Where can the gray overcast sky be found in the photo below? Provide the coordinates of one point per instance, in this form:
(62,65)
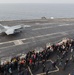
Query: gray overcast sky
(36,1)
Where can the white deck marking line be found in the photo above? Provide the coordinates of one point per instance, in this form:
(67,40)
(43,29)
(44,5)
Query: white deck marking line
(47,35)
(42,24)
(32,38)
(30,42)
(56,66)
(50,71)
(52,26)
(30,70)
(13,45)
(64,33)
(29,38)
(18,42)
(44,72)
(11,41)
(36,36)
(52,37)
(44,28)
(66,25)
(44,35)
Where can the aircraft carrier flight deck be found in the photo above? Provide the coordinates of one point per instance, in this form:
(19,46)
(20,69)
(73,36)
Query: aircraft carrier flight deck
(40,33)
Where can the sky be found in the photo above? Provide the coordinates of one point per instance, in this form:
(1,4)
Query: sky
(36,1)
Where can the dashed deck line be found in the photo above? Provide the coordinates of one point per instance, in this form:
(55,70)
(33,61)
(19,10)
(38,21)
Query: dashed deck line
(44,28)
(52,26)
(36,24)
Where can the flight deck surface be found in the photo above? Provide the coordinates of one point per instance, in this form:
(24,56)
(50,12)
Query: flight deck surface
(40,33)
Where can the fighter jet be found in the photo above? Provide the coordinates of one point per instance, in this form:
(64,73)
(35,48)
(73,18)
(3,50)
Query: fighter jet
(12,29)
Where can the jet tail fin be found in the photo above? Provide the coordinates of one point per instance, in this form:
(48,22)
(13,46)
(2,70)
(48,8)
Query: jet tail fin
(2,29)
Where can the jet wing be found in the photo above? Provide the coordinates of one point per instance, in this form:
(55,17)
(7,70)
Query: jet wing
(9,31)
(16,27)
(6,27)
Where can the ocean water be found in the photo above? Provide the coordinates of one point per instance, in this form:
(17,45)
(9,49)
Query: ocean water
(22,11)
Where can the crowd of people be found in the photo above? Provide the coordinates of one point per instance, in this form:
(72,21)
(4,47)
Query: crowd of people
(19,66)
